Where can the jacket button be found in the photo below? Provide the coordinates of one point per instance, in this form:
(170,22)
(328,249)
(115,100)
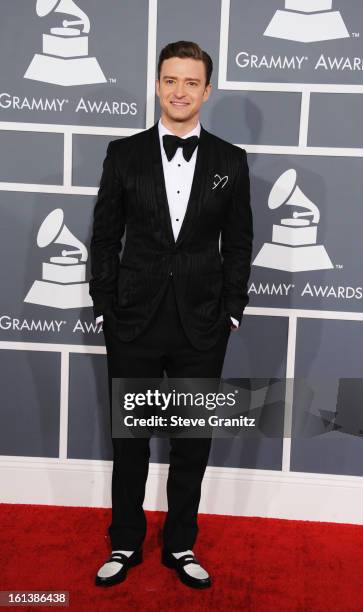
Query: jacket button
(170,274)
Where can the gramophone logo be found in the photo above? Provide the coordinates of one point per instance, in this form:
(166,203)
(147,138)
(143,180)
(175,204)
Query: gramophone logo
(293,247)
(63,278)
(65,60)
(307,21)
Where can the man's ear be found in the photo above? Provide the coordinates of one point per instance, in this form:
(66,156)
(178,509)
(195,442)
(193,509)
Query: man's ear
(207,92)
(157,87)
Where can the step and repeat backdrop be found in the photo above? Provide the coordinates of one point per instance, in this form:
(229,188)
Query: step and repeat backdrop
(287,86)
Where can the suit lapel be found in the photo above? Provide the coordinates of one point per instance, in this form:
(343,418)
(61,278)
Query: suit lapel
(198,188)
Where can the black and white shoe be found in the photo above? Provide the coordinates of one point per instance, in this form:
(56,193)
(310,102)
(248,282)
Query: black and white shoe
(189,569)
(116,567)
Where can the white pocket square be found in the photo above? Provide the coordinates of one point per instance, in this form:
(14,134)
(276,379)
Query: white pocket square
(219,180)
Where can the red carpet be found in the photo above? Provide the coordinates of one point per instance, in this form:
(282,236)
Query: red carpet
(270,564)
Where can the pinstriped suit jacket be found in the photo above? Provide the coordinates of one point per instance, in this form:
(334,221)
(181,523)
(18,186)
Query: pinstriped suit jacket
(209,262)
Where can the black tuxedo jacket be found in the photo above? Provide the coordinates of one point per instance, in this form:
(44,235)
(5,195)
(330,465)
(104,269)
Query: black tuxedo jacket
(209,262)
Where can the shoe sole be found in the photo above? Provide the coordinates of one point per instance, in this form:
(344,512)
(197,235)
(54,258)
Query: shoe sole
(112,580)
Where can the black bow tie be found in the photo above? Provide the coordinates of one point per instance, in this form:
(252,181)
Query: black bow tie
(171,143)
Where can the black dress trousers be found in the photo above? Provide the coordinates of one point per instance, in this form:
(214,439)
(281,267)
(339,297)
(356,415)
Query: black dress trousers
(162,347)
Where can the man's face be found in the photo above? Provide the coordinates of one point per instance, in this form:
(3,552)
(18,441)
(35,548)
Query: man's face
(181,88)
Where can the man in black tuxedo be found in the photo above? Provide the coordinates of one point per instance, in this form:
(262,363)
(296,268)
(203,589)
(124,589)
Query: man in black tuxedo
(182,195)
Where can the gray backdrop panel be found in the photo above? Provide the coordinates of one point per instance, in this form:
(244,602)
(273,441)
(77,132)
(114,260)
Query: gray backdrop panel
(30,382)
(89,151)
(89,414)
(22,215)
(334,185)
(248,22)
(118,31)
(327,352)
(336,120)
(31,157)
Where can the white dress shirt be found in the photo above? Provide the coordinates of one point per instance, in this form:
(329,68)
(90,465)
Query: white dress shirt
(178,176)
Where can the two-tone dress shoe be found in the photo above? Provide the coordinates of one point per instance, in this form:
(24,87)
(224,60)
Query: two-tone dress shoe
(116,567)
(189,569)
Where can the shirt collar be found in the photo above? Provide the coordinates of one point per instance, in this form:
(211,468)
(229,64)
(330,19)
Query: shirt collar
(164,130)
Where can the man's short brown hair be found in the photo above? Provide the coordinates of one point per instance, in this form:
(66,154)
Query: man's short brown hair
(185,48)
